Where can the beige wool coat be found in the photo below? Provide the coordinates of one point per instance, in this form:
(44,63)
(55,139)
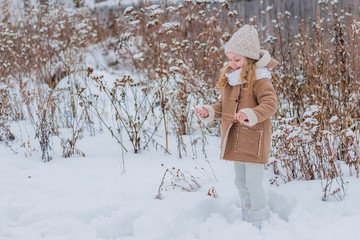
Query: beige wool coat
(249,142)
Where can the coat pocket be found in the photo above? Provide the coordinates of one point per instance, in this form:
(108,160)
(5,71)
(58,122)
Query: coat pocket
(248,141)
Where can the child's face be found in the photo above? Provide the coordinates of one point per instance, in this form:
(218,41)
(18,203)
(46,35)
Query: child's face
(235,60)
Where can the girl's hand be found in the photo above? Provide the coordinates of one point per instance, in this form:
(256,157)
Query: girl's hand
(201,112)
(241,117)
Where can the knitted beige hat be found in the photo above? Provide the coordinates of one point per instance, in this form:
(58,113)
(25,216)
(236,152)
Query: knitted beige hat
(245,42)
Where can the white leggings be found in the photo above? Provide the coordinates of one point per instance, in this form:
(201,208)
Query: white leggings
(248,180)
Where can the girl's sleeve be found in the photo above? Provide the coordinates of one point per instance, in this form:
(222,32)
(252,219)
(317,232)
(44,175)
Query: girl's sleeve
(267,103)
(214,111)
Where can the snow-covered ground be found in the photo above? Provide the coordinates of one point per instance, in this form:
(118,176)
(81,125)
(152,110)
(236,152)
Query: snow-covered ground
(86,198)
(89,198)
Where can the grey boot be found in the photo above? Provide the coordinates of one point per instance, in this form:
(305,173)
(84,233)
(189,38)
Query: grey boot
(245,215)
(257,223)
(257,217)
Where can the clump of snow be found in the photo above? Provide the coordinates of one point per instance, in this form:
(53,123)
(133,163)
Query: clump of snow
(350,133)
(333,119)
(138,55)
(128,10)
(310,111)
(170,25)
(89,198)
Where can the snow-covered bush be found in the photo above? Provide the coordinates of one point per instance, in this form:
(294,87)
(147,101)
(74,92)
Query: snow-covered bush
(5,115)
(70,115)
(175,51)
(34,40)
(319,65)
(39,109)
(132,106)
(307,150)
(40,44)
(176,48)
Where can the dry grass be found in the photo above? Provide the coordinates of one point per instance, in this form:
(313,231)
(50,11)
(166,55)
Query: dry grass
(176,52)
(180,46)
(5,116)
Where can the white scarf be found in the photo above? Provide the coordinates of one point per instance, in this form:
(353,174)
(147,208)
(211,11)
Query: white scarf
(234,77)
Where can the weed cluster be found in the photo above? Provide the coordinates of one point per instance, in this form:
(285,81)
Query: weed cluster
(175,52)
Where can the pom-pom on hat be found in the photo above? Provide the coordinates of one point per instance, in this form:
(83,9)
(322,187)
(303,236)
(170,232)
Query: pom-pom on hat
(245,42)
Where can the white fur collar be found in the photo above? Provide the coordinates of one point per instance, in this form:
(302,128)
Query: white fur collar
(234,77)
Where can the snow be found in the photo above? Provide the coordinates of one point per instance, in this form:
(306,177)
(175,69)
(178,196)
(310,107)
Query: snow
(128,10)
(93,198)
(89,198)
(138,55)
(350,133)
(310,111)
(170,25)
(333,119)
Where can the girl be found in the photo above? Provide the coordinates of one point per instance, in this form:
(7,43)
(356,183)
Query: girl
(245,107)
